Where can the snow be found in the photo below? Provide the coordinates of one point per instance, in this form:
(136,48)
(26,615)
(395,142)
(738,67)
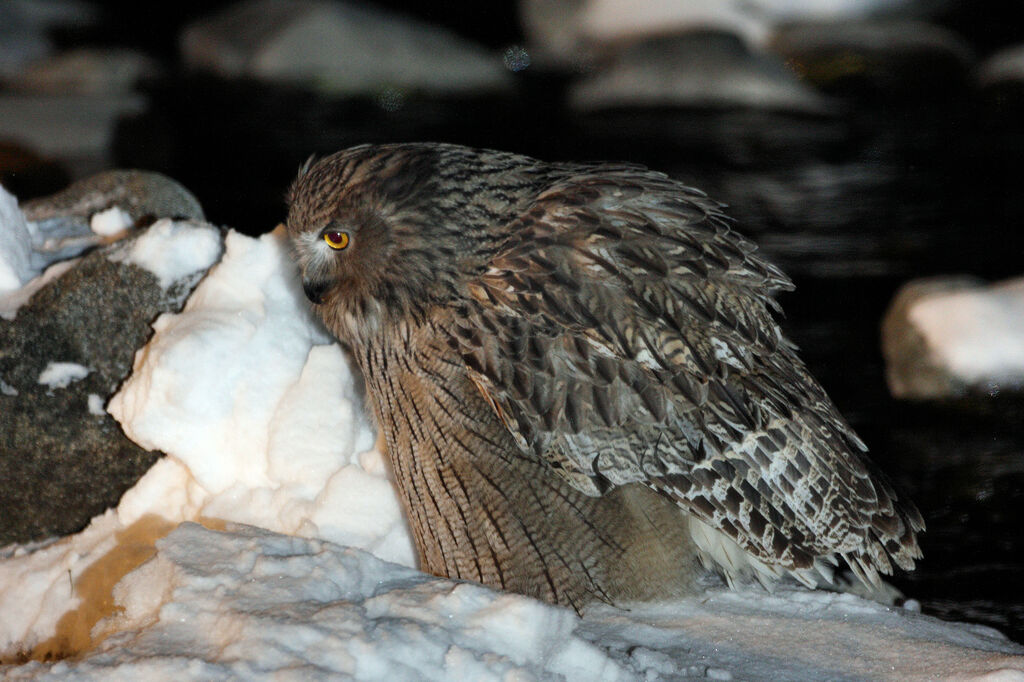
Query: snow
(62,374)
(15,245)
(259,415)
(95,403)
(173,250)
(977,334)
(111,221)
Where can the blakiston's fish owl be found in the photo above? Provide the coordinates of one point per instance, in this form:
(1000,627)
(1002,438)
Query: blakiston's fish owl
(579,380)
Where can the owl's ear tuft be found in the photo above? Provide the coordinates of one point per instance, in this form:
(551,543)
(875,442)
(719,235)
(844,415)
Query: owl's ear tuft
(303,170)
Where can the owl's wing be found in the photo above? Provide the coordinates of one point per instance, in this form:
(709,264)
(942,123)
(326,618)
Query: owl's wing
(624,333)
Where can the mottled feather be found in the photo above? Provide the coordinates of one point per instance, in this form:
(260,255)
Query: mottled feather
(565,336)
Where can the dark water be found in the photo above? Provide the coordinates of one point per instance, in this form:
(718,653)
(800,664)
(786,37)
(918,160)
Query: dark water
(850,205)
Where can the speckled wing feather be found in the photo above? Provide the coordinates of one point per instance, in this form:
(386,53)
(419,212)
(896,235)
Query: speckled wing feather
(624,333)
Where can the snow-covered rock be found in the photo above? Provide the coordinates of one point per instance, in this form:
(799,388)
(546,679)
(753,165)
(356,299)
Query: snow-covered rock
(68,345)
(338,47)
(943,337)
(569,34)
(694,70)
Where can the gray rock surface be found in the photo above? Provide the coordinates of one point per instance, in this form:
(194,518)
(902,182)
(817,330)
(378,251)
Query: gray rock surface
(62,458)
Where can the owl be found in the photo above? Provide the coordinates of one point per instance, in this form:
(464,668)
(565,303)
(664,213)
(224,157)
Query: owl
(582,390)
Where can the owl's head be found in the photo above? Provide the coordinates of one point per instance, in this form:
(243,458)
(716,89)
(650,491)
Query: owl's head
(389,231)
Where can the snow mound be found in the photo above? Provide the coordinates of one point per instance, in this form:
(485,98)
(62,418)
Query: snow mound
(249,604)
(258,412)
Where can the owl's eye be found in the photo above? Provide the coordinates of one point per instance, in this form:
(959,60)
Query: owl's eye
(336,239)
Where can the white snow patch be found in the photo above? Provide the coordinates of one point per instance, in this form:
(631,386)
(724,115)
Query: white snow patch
(62,374)
(95,403)
(15,245)
(111,221)
(978,334)
(173,250)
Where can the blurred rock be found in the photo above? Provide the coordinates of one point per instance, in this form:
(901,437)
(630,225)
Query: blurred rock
(24,28)
(86,71)
(901,57)
(949,336)
(338,48)
(1004,66)
(63,459)
(701,69)
(571,34)
(76,129)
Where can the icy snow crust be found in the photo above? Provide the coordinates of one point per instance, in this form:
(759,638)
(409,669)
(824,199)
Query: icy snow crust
(259,415)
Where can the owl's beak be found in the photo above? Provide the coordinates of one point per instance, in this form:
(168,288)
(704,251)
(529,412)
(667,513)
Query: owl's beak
(314,290)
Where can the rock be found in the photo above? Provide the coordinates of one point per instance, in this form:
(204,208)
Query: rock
(90,212)
(946,337)
(695,70)
(76,129)
(571,35)
(1003,67)
(86,71)
(24,25)
(338,47)
(62,458)
(888,56)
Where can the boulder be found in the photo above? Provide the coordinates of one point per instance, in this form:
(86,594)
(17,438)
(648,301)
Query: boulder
(339,48)
(63,459)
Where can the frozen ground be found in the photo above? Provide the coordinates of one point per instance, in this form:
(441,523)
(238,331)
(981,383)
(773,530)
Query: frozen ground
(259,415)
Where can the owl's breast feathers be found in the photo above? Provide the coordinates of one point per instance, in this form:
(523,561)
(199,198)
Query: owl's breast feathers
(623,333)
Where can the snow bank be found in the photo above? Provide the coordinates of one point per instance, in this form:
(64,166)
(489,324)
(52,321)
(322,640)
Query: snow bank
(248,604)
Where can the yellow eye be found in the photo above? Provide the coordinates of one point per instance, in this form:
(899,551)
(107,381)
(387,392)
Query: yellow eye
(336,239)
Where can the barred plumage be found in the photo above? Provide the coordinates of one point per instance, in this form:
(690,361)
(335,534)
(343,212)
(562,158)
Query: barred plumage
(579,379)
